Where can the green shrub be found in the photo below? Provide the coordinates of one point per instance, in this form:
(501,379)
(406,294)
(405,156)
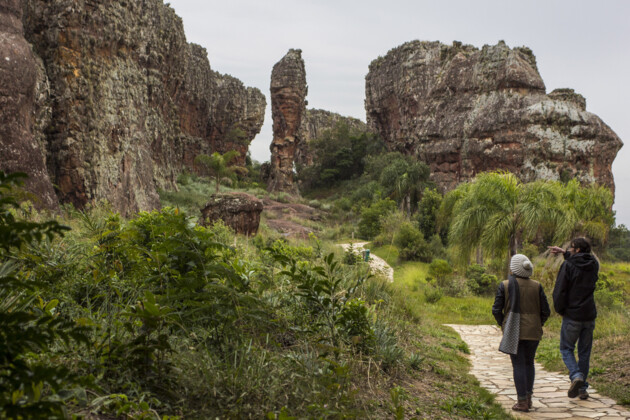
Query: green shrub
(427,212)
(389,228)
(609,291)
(480,282)
(367,193)
(433,294)
(411,243)
(30,386)
(440,270)
(371,217)
(351,256)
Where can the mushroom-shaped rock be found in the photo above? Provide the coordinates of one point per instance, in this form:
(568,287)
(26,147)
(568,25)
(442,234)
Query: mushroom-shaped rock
(239,211)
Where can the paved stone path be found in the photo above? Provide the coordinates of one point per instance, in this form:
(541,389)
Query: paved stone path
(493,369)
(376,263)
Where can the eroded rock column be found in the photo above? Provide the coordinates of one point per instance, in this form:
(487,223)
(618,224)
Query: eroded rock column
(19,73)
(288,105)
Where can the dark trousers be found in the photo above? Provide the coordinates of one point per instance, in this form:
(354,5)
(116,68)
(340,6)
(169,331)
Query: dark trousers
(580,332)
(523,368)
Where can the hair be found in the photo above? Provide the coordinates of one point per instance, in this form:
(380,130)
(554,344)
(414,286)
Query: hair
(582,243)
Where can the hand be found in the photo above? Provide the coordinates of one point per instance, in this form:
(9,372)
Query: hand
(556,250)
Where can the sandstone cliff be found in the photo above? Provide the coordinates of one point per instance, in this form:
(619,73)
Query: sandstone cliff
(20,73)
(130,101)
(314,123)
(288,105)
(465,110)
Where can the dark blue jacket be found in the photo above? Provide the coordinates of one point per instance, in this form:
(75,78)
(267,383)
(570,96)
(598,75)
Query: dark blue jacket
(575,284)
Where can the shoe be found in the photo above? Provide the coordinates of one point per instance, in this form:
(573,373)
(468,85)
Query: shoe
(583,394)
(574,389)
(530,404)
(521,406)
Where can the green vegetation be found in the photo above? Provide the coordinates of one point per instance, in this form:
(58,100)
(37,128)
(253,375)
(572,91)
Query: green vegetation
(176,322)
(220,166)
(155,317)
(339,154)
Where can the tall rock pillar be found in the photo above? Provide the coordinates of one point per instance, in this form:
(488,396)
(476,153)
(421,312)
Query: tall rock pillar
(19,73)
(288,105)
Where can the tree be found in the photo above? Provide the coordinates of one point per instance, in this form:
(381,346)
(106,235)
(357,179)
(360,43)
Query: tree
(220,166)
(587,210)
(496,210)
(370,223)
(403,178)
(427,212)
(339,153)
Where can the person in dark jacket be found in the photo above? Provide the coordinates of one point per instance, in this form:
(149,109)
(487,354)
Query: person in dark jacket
(534,311)
(573,299)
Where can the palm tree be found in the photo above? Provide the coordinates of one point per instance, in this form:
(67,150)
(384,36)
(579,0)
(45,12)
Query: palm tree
(587,210)
(220,166)
(495,211)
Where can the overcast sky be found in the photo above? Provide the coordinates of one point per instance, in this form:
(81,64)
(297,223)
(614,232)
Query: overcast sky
(583,45)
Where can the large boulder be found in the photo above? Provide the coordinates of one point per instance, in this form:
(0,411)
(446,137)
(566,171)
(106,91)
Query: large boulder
(239,211)
(288,105)
(465,110)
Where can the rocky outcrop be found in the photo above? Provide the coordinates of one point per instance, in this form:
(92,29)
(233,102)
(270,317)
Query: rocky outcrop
(20,73)
(131,103)
(288,105)
(465,110)
(239,211)
(315,123)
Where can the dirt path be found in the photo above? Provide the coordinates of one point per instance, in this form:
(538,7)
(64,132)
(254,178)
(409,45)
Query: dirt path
(376,263)
(494,371)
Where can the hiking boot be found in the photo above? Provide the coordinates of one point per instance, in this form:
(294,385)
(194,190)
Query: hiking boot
(583,394)
(574,389)
(530,404)
(521,406)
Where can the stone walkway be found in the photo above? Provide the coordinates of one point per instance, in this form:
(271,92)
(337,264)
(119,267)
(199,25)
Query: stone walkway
(376,263)
(494,371)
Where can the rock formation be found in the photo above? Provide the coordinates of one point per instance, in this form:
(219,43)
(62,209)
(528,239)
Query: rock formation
(314,123)
(288,105)
(131,102)
(465,110)
(20,72)
(239,211)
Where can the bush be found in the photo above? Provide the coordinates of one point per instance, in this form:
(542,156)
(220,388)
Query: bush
(433,294)
(440,270)
(371,217)
(478,281)
(427,212)
(609,291)
(30,386)
(389,228)
(411,243)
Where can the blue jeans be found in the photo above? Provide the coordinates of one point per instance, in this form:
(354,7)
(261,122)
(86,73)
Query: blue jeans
(580,332)
(523,368)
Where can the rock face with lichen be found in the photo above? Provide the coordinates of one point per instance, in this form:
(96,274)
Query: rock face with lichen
(239,211)
(20,75)
(131,103)
(465,110)
(314,123)
(288,105)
